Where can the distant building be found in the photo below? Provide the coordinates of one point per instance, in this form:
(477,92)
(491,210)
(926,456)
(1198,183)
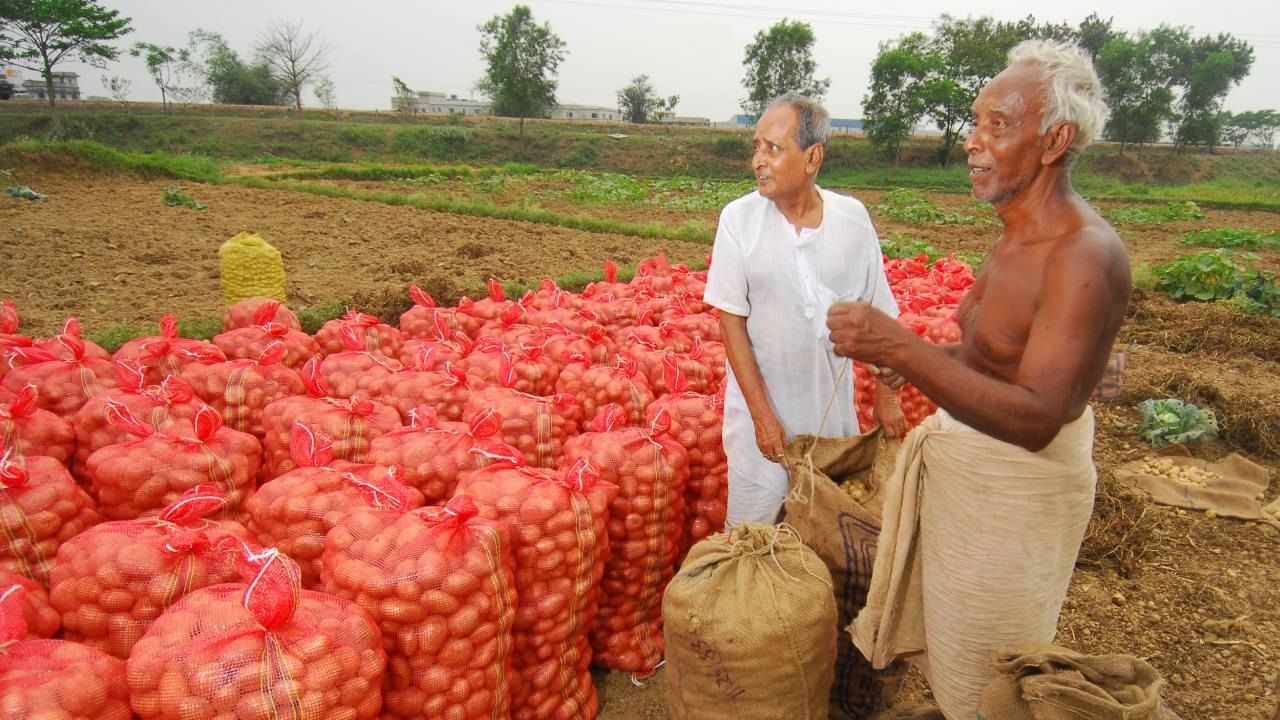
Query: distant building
(668,118)
(66,86)
(585,112)
(839,125)
(435,103)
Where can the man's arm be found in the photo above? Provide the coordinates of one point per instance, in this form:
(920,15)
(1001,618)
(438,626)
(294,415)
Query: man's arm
(889,411)
(770,436)
(1028,412)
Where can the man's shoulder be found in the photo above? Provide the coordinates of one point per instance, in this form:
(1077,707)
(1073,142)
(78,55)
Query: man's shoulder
(751,202)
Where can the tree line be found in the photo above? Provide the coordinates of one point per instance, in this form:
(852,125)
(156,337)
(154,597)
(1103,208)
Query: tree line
(1165,82)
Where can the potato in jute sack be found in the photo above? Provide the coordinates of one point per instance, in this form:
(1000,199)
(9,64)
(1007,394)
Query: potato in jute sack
(833,501)
(749,628)
(1047,682)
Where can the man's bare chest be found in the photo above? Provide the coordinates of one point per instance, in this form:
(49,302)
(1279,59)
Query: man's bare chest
(995,317)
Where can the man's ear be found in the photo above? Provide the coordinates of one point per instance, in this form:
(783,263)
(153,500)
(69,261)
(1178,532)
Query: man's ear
(814,156)
(1060,137)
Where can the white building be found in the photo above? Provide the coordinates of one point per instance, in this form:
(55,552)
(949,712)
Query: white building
(586,112)
(435,103)
(66,86)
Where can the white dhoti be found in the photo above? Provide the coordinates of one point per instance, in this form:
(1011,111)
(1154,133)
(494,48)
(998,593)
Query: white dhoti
(979,541)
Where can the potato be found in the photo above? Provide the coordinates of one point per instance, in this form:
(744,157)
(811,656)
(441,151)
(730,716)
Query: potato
(537,426)
(64,385)
(696,424)
(559,522)
(645,521)
(435,457)
(446,392)
(41,619)
(379,338)
(241,389)
(258,311)
(351,425)
(25,429)
(453,604)
(56,679)
(41,507)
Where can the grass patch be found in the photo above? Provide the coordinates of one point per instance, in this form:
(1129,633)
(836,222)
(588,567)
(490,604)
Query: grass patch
(910,205)
(485,209)
(1157,215)
(147,165)
(1245,238)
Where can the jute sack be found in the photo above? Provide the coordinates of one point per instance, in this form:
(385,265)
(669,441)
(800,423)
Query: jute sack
(843,532)
(748,625)
(1047,682)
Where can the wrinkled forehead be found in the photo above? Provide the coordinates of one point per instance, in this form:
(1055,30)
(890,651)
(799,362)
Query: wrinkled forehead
(1014,92)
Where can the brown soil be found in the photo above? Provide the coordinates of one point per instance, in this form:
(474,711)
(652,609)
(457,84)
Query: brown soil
(107,250)
(1200,599)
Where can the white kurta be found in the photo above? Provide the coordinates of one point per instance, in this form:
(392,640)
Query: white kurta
(783,282)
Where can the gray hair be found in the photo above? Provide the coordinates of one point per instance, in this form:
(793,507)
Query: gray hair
(1072,92)
(814,127)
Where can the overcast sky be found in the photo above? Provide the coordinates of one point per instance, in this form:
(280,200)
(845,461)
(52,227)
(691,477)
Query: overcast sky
(692,48)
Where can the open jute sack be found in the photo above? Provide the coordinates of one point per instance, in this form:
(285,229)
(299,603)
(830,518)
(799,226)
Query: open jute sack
(843,532)
(1047,682)
(748,623)
(1236,494)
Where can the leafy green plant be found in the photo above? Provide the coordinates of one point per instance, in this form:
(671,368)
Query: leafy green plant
(898,246)
(1156,215)
(174,197)
(1172,421)
(1215,275)
(910,205)
(1231,238)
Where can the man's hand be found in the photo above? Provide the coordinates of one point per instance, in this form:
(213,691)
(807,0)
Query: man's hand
(770,438)
(861,332)
(889,412)
(888,376)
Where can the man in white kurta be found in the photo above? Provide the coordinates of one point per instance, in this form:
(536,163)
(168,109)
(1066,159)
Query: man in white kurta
(782,279)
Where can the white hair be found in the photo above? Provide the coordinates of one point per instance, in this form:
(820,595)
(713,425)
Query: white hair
(1072,91)
(814,127)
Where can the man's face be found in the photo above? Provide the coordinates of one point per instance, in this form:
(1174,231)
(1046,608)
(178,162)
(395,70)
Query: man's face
(781,168)
(1006,144)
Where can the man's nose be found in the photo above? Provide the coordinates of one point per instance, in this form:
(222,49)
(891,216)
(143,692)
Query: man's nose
(971,143)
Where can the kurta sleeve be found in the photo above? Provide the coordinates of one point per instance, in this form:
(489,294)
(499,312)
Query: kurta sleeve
(727,279)
(879,294)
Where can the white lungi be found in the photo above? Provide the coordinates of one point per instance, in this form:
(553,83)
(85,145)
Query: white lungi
(784,282)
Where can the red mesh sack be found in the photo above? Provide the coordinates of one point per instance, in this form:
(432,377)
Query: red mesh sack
(10,340)
(487,309)
(696,423)
(430,354)
(435,455)
(424,320)
(562,343)
(662,337)
(247,343)
(113,580)
(259,649)
(704,326)
(140,477)
(646,522)
(538,426)
(523,367)
(157,405)
(596,386)
(65,384)
(446,391)
(558,522)
(438,582)
(295,511)
(248,312)
(378,337)
(357,369)
(54,679)
(610,287)
(549,295)
(41,507)
(653,363)
(241,389)
(63,351)
(352,424)
(27,430)
(166,354)
(42,620)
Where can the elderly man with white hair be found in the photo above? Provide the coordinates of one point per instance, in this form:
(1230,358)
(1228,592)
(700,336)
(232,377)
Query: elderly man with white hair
(783,255)
(988,505)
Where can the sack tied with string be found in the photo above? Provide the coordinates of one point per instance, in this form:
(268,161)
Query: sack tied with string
(41,507)
(439,584)
(748,629)
(113,580)
(436,454)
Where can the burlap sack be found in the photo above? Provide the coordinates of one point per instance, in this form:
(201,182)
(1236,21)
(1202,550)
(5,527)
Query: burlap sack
(748,625)
(1235,494)
(1047,682)
(843,533)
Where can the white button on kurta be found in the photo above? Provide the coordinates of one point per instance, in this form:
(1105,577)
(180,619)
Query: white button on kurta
(784,282)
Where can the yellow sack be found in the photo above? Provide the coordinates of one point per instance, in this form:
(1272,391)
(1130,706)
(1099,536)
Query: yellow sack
(251,267)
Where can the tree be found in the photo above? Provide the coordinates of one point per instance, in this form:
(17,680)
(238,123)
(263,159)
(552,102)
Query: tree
(164,64)
(1135,78)
(326,93)
(780,60)
(1215,65)
(403,102)
(227,78)
(639,102)
(522,61)
(38,35)
(296,59)
(119,88)
(1264,124)
(897,97)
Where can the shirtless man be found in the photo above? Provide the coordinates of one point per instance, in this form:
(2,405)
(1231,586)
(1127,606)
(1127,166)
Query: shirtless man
(1037,330)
